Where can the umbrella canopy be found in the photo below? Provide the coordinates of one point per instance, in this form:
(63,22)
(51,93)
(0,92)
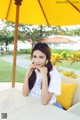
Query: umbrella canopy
(48,12)
(51,12)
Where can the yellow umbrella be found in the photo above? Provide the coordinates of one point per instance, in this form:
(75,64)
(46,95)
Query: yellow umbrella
(48,12)
(52,12)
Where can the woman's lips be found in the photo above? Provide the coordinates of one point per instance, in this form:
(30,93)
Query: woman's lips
(38,65)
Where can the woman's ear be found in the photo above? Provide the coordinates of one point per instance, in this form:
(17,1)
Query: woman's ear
(46,61)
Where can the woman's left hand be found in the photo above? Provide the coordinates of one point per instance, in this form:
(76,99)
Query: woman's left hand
(43,71)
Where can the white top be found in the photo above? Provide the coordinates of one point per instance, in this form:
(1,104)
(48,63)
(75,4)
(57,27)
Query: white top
(54,86)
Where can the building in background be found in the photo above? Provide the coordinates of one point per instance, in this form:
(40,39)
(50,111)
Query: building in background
(63,42)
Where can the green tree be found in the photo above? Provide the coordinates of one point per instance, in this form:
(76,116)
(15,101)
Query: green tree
(6,37)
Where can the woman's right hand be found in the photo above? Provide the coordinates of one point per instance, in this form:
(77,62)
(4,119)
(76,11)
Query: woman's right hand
(30,69)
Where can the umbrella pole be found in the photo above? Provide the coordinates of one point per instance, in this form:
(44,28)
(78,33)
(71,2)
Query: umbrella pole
(15,46)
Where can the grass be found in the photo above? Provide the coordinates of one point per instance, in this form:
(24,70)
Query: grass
(6,72)
(75,65)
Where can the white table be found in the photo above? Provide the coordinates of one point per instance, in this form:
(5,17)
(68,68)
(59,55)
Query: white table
(19,107)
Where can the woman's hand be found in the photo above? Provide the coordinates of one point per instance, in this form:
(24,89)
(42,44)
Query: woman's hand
(30,69)
(43,71)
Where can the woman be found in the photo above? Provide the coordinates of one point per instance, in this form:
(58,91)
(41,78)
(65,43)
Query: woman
(41,81)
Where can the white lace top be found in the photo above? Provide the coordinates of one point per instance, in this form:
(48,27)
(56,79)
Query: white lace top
(54,86)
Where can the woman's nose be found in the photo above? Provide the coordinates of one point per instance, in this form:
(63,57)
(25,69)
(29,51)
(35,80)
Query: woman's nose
(37,60)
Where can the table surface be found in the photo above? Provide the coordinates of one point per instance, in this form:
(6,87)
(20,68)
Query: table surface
(19,107)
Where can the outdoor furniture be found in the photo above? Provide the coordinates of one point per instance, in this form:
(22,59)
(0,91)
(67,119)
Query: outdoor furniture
(75,107)
(18,107)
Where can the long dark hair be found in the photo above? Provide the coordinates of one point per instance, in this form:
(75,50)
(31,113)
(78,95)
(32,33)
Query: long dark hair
(43,47)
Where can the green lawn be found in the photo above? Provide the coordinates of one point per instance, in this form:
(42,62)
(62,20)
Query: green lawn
(6,72)
(75,65)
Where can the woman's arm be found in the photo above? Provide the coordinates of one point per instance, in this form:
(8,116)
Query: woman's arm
(25,88)
(45,94)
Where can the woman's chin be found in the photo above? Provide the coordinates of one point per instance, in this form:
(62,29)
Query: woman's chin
(37,67)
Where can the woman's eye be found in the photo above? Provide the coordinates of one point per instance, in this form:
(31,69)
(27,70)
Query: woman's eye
(34,56)
(41,56)
(38,57)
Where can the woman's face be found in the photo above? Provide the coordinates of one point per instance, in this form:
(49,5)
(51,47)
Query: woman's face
(39,58)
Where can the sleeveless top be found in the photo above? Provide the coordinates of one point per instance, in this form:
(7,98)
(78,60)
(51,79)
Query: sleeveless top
(54,85)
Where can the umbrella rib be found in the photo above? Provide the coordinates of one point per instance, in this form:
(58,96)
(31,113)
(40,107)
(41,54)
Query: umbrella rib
(8,9)
(43,12)
(73,5)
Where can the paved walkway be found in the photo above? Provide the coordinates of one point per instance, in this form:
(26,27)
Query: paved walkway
(21,61)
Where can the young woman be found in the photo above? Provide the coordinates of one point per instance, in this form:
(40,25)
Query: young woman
(41,81)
